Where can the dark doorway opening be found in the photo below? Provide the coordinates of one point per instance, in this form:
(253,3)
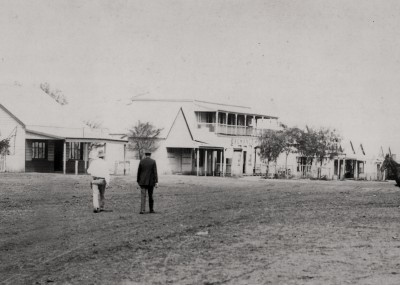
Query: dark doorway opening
(58,155)
(244,161)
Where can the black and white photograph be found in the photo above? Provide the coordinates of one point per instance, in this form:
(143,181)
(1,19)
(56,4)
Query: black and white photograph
(200,142)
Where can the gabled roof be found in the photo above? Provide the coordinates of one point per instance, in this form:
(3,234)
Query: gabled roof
(34,107)
(353,150)
(183,136)
(161,113)
(180,112)
(12,115)
(206,106)
(180,135)
(41,115)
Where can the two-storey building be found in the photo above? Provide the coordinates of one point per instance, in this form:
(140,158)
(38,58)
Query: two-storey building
(198,137)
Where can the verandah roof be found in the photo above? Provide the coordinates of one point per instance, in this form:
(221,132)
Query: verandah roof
(88,139)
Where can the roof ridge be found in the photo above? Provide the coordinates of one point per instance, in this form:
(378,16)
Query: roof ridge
(222,104)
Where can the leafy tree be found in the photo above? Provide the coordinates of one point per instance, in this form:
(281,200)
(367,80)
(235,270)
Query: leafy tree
(55,94)
(327,142)
(318,143)
(272,144)
(4,145)
(291,137)
(307,142)
(307,146)
(143,136)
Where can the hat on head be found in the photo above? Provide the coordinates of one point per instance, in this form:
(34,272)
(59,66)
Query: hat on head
(101,153)
(147,152)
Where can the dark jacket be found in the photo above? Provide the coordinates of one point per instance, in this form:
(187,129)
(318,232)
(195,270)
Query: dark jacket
(147,172)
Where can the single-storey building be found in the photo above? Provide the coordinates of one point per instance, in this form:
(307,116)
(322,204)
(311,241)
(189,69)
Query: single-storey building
(45,136)
(350,162)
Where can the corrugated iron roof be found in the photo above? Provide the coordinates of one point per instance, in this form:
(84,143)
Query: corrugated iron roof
(161,113)
(43,115)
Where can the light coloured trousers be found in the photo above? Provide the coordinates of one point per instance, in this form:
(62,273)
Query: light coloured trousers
(98,196)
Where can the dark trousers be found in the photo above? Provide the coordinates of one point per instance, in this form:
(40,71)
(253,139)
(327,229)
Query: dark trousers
(149,190)
(99,191)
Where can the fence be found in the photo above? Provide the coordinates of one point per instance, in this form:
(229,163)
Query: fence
(119,168)
(274,171)
(307,171)
(304,170)
(218,168)
(2,163)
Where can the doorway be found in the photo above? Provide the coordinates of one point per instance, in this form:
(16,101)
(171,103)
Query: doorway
(244,162)
(58,155)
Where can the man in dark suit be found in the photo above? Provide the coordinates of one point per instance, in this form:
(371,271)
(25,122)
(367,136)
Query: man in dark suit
(147,179)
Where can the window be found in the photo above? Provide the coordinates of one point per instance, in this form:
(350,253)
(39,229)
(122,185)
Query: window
(39,150)
(186,153)
(170,154)
(75,150)
(360,167)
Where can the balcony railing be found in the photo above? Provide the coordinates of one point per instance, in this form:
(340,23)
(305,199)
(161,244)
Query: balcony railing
(209,126)
(231,129)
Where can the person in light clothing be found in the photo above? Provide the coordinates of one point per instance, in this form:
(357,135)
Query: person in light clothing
(100,180)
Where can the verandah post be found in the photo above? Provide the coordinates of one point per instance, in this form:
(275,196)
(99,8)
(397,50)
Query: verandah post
(220,163)
(86,155)
(198,161)
(205,163)
(65,158)
(124,159)
(224,164)
(76,167)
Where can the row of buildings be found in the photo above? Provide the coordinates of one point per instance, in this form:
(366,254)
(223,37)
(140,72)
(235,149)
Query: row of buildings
(197,138)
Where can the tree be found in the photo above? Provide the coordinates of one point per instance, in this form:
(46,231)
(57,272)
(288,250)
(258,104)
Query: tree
(306,145)
(4,145)
(55,94)
(271,146)
(143,136)
(291,138)
(327,142)
(318,143)
(93,124)
(307,148)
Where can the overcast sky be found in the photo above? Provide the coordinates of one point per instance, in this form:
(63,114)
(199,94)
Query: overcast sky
(322,63)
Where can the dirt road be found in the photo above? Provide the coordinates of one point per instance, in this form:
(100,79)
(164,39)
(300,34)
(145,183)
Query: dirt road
(205,231)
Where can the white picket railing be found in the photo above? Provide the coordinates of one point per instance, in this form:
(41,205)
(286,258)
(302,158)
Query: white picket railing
(2,163)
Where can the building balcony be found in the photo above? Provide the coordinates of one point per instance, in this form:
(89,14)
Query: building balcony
(231,130)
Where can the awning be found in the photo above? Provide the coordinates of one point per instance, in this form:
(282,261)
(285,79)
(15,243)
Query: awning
(30,134)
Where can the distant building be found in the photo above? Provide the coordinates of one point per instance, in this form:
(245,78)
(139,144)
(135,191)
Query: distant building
(45,136)
(198,137)
(350,162)
(214,139)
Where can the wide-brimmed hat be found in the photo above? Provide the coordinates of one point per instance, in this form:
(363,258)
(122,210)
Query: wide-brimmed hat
(101,153)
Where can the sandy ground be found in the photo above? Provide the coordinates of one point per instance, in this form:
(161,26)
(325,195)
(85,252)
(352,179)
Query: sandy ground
(206,230)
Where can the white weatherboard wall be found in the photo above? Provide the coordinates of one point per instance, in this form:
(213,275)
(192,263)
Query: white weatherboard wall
(114,157)
(179,135)
(15,161)
(178,138)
